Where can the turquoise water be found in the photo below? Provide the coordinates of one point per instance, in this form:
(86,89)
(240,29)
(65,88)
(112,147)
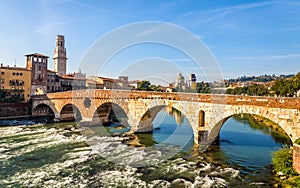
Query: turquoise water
(240,146)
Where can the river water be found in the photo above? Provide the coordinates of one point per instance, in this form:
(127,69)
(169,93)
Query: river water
(68,155)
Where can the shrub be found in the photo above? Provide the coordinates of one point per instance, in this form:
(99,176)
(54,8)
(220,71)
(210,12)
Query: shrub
(297,141)
(282,161)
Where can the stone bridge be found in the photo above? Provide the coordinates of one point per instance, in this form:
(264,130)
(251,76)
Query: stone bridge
(205,113)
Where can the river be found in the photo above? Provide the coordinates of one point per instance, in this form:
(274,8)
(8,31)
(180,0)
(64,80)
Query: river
(34,153)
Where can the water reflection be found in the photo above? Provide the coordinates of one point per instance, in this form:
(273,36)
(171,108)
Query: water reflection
(179,117)
(170,127)
(257,123)
(247,145)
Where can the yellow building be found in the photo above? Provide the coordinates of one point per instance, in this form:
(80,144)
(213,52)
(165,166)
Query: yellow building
(15,84)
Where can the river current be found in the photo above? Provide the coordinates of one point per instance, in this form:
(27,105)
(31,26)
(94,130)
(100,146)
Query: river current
(37,154)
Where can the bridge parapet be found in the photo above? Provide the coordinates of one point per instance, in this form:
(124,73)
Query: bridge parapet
(215,108)
(273,102)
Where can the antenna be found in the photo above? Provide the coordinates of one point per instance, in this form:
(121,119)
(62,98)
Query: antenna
(15,62)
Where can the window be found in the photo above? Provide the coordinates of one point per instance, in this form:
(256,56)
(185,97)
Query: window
(21,74)
(2,73)
(40,67)
(17,74)
(13,73)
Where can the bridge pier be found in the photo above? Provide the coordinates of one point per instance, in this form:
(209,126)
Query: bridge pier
(142,126)
(201,139)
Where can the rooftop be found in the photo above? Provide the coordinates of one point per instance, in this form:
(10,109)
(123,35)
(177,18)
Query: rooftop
(37,55)
(14,68)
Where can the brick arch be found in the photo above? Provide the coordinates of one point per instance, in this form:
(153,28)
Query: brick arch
(115,107)
(259,111)
(47,103)
(50,107)
(74,106)
(96,103)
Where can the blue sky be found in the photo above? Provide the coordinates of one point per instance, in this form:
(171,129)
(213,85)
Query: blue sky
(246,37)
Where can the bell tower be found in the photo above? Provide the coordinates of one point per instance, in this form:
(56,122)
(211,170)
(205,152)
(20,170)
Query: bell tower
(60,56)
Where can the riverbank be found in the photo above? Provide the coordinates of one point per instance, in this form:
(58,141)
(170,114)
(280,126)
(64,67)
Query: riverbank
(282,161)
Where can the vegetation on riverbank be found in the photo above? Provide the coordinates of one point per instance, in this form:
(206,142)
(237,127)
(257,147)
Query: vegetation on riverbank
(282,161)
(283,86)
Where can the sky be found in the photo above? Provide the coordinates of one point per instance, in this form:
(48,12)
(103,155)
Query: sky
(244,37)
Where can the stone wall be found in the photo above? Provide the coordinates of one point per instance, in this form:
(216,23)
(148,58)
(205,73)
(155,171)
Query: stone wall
(15,110)
(296,158)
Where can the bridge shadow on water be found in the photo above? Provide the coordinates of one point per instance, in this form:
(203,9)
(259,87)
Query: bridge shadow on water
(170,127)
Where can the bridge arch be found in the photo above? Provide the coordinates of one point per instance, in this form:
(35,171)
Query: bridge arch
(110,112)
(145,121)
(215,131)
(70,112)
(43,109)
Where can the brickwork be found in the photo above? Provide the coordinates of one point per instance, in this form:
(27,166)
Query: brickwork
(214,108)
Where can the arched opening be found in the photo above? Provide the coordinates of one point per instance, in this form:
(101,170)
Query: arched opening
(256,122)
(70,113)
(43,110)
(246,142)
(168,126)
(109,113)
(113,117)
(201,121)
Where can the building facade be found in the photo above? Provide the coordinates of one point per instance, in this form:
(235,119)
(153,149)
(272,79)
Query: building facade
(38,64)
(53,82)
(15,84)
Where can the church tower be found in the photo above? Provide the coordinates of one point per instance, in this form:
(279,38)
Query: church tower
(60,56)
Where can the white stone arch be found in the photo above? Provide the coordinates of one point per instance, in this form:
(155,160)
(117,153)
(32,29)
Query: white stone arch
(271,114)
(118,106)
(153,107)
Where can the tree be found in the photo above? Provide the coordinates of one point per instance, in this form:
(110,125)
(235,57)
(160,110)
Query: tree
(144,85)
(203,87)
(155,88)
